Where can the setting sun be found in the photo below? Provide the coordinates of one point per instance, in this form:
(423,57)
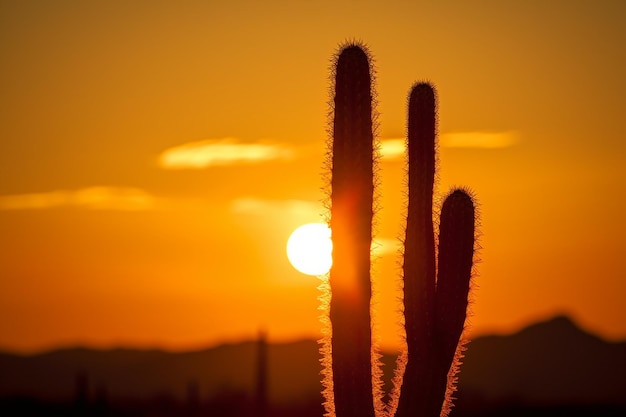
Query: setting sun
(309,249)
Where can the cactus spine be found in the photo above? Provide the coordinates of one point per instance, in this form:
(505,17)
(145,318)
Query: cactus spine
(435,292)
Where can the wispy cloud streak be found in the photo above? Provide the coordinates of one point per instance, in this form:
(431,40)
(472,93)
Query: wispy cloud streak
(262,207)
(395,148)
(392,148)
(273,209)
(221,152)
(385,246)
(478,139)
(94,198)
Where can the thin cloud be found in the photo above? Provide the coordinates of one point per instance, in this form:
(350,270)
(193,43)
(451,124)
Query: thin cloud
(392,148)
(385,246)
(93,198)
(110,198)
(478,139)
(395,148)
(301,208)
(275,209)
(221,152)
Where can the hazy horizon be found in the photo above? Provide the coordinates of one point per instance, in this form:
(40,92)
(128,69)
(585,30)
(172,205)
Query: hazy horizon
(282,341)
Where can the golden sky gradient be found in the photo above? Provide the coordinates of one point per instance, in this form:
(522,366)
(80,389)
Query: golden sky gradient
(155,157)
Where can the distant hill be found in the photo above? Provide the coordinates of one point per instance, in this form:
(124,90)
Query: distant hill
(127,373)
(553,362)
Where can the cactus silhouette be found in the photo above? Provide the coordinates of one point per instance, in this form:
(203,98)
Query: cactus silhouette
(352,189)
(435,290)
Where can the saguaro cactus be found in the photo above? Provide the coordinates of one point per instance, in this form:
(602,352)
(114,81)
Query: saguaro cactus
(435,292)
(351,224)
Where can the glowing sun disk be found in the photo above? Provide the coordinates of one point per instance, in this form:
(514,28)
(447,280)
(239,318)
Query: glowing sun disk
(309,249)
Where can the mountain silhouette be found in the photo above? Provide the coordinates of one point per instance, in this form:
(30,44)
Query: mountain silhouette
(553,362)
(132,374)
(548,363)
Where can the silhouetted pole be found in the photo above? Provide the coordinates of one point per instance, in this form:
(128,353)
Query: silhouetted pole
(193,398)
(81,394)
(261,376)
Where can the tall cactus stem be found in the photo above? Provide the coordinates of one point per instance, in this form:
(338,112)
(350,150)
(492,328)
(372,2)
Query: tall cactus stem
(351,225)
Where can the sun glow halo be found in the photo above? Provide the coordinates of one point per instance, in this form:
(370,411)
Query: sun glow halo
(309,249)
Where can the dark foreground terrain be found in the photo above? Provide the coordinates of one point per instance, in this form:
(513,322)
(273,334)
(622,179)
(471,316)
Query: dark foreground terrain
(548,369)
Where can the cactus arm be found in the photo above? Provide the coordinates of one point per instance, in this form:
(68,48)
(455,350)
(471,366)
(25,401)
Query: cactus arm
(419,254)
(456,250)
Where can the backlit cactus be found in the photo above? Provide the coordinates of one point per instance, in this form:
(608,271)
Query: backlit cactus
(435,291)
(352,189)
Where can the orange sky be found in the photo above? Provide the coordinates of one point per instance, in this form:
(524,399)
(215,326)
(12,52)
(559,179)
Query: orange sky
(125,219)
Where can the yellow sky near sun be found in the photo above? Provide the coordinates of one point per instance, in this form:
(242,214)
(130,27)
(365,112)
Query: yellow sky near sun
(155,158)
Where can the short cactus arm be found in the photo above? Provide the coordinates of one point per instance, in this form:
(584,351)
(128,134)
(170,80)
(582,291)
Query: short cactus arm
(456,251)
